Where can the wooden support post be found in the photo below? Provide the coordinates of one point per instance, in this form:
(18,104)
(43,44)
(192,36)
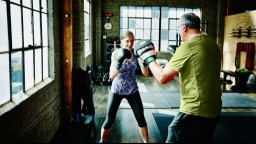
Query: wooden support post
(67,59)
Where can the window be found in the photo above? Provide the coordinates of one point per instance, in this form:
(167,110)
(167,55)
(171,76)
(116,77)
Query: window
(23,46)
(87,49)
(159,24)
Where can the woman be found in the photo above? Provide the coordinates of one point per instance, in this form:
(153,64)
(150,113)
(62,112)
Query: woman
(124,85)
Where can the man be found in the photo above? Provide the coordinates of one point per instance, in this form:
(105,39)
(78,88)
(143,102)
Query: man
(198,62)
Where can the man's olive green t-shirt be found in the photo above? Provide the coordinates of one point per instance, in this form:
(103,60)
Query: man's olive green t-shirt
(198,62)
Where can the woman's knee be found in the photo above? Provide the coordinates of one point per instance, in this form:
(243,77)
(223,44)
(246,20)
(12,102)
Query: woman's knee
(142,124)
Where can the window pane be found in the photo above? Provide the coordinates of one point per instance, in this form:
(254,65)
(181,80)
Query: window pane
(87,33)
(44,5)
(86,6)
(3,28)
(172,43)
(131,12)
(155,34)
(16,27)
(172,13)
(164,34)
(45,30)
(86,28)
(131,23)
(173,24)
(86,19)
(38,66)
(180,12)
(28,35)
(45,63)
(124,23)
(16,1)
(155,12)
(139,34)
(4,78)
(155,23)
(17,73)
(139,12)
(164,23)
(147,12)
(29,69)
(37,32)
(172,34)
(147,24)
(36,4)
(26,3)
(165,12)
(164,45)
(146,34)
(87,47)
(124,11)
(187,10)
(139,23)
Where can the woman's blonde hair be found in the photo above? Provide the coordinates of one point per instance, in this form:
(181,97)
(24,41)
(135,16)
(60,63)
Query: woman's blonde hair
(126,34)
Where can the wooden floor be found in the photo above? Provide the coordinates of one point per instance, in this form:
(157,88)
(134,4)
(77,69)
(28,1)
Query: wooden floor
(125,129)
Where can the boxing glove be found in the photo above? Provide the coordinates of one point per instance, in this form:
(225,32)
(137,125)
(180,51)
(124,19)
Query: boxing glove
(122,55)
(145,49)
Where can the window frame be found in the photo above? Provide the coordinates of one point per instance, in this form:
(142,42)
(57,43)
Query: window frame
(87,27)
(161,12)
(40,51)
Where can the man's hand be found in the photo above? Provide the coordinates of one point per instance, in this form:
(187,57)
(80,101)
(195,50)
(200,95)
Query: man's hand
(145,49)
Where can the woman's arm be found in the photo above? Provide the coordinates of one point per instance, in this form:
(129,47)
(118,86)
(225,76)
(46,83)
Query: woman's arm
(143,67)
(118,57)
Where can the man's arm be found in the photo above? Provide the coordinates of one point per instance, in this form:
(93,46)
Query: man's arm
(162,75)
(146,51)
